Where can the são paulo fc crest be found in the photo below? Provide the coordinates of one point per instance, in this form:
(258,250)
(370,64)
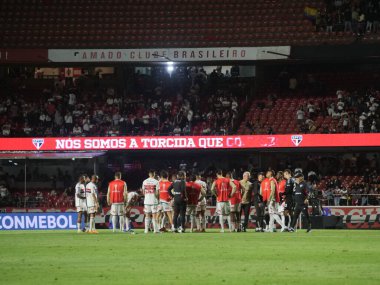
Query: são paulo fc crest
(297,139)
(38,143)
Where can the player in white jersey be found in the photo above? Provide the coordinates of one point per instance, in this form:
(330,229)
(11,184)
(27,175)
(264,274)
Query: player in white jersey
(201,207)
(80,201)
(92,202)
(150,189)
(132,199)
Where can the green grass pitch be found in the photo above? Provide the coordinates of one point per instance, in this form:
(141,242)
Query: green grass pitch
(65,257)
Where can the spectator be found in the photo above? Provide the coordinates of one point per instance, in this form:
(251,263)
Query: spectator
(68,121)
(177,131)
(300,116)
(362,119)
(329,23)
(361,23)
(77,130)
(347,20)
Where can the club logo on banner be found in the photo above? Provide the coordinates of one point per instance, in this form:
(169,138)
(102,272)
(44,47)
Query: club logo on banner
(297,139)
(38,143)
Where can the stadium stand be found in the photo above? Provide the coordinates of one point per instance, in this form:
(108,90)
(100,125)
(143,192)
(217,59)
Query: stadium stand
(322,103)
(145,23)
(194,104)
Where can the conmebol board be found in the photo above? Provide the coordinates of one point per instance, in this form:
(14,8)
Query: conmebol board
(367,217)
(189,142)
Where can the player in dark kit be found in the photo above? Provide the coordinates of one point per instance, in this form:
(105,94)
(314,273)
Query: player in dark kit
(258,202)
(178,191)
(301,201)
(288,196)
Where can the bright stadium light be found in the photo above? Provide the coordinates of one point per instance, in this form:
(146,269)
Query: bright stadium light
(170,67)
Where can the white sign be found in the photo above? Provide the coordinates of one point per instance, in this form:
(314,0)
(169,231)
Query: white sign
(171,54)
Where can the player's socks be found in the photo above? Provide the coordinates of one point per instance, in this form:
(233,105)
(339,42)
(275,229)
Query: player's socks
(271,223)
(278,220)
(87,226)
(162,222)
(121,222)
(290,221)
(204,222)
(147,223)
(126,224)
(283,219)
(198,221)
(229,223)
(221,221)
(154,221)
(114,221)
(192,219)
(91,223)
(78,227)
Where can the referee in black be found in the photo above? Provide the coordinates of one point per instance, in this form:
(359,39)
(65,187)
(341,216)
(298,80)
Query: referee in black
(300,195)
(258,202)
(178,191)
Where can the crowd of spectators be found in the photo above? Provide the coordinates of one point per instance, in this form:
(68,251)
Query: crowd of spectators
(363,193)
(350,112)
(187,101)
(356,16)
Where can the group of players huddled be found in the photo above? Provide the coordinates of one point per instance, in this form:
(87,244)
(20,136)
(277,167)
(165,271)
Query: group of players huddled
(279,199)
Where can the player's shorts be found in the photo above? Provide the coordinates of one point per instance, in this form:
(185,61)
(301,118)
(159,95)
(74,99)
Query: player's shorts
(235,207)
(201,207)
(165,206)
(191,210)
(150,209)
(223,208)
(117,209)
(91,210)
(289,205)
(81,207)
(273,208)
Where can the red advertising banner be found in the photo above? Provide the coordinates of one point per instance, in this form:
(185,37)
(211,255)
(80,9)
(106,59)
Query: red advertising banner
(367,217)
(189,142)
(23,56)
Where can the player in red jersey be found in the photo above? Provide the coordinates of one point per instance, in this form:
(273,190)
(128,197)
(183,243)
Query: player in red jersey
(116,197)
(223,188)
(235,204)
(195,194)
(165,200)
(281,181)
(265,193)
(270,196)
